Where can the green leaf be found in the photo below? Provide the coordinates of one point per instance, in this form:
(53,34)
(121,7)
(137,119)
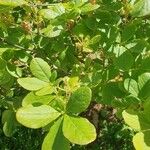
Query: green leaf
(111,91)
(79,100)
(36,117)
(122,63)
(129,31)
(31,98)
(8,54)
(13,70)
(143,79)
(144,92)
(73,82)
(126,102)
(2,50)
(5,77)
(58,103)
(9,121)
(144,85)
(131,86)
(52,31)
(3,64)
(141,141)
(55,139)
(40,69)
(53,76)
(89,7)
(12,3)
(141,8)
(135,120)
(46,90)
(146,112)
(53,11)
(32,84)
(145,64)
(23,56)
(132,119)
(140,121)
(78,130)
(95,40)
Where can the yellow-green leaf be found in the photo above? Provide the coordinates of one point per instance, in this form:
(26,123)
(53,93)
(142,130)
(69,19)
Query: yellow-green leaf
(78,130)
(36,117)
(141,141)
(32,84)
(34,99)
(40,69)
(79,100)
(55,139)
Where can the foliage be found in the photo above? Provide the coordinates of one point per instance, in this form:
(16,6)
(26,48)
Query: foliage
(56,57)
(112,136)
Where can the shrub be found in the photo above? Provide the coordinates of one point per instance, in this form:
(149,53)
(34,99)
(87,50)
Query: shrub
(57,57)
